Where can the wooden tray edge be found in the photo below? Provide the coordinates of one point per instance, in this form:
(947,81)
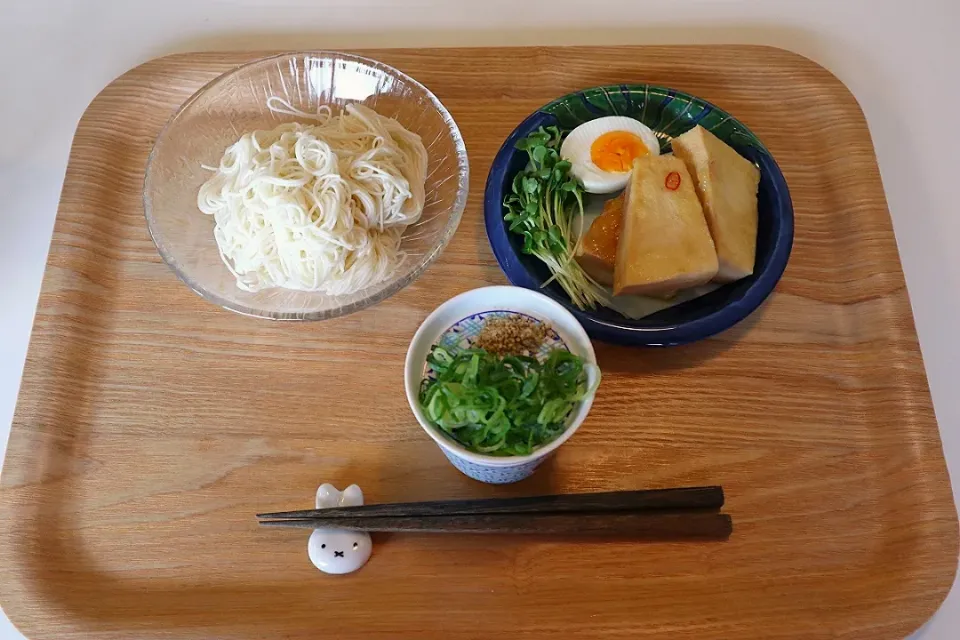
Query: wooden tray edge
(942,589)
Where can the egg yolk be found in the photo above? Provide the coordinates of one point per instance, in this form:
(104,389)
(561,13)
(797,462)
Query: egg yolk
(615,150)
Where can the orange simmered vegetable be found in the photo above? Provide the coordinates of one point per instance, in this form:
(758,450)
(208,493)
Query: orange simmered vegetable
(598,248)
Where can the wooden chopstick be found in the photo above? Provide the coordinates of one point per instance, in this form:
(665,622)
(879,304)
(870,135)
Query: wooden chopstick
(651,525)
(612,501)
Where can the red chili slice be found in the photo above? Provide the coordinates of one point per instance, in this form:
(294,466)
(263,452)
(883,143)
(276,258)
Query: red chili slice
(673,181)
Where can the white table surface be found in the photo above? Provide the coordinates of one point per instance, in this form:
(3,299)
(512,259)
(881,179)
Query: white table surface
(899,59)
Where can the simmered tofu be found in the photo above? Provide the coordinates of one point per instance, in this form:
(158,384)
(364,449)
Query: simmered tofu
(726,183)
(665,244)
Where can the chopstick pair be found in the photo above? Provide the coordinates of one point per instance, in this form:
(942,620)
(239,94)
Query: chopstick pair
(686,513)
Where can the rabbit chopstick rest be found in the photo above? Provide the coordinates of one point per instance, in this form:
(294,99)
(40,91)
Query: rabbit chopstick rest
(338,550)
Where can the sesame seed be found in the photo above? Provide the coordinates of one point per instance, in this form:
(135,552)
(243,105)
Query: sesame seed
(512,335)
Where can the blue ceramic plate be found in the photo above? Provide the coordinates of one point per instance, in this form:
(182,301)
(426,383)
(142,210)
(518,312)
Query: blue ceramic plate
(669,113)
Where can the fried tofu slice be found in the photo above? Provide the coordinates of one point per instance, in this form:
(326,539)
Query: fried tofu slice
(726,184)
(597,254)
(665,244)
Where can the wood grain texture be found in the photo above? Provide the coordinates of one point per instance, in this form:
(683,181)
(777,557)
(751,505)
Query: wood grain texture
(152,425)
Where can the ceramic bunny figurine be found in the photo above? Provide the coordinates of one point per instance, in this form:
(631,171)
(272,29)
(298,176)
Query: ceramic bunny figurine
(338,550)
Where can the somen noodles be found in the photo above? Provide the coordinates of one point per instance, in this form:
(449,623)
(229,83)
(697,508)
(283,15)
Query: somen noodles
(317,207)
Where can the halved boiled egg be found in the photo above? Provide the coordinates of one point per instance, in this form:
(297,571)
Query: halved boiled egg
(602,151)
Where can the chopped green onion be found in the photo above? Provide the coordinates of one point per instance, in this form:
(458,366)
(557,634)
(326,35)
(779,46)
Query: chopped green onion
(503,406)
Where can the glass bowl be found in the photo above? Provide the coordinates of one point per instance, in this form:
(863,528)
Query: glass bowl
(219,113)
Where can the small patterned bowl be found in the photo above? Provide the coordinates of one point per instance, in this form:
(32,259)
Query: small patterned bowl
(669,113)
(454,324)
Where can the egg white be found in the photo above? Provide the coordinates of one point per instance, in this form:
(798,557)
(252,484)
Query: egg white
(576,149)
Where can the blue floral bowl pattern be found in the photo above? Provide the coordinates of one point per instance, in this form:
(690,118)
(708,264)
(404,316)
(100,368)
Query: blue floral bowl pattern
(493,474)
(668,113)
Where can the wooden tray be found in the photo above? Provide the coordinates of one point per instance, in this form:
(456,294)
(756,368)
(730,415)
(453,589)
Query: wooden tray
(152,425)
